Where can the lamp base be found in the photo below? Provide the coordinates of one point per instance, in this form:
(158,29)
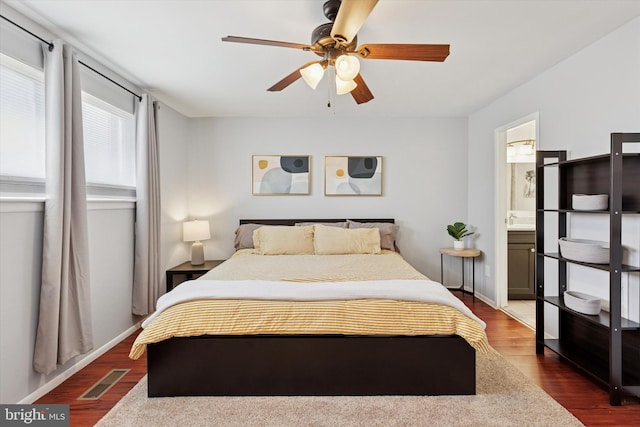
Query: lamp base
(197,253)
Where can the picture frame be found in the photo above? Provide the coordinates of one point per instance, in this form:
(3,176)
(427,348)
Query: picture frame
(353,176)
(280,175)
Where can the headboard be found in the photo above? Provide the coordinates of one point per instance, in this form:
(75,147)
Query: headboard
(294,221)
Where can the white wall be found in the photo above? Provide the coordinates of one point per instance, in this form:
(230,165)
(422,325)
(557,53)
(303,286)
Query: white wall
(580,101)
(20,263)
(111,259)
(424,176)
(173,138)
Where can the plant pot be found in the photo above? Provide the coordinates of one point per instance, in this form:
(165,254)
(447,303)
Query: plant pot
(458,244)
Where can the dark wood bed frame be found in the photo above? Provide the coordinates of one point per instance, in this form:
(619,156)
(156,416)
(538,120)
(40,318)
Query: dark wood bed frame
(320,365)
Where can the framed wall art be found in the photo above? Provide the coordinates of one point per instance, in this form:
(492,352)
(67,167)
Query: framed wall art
(353,176)
(280,175)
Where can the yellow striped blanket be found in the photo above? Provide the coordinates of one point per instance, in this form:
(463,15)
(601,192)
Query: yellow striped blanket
(370,311)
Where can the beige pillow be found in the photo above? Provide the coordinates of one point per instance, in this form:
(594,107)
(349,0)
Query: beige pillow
(388,232)
(283,240)
(338,241)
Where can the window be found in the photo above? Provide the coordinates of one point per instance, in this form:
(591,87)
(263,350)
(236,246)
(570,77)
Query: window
(109,135)
(109,147)
(22,135)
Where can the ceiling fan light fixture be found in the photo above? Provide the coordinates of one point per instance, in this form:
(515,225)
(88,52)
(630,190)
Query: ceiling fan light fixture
(337,43)
(344,86)
(312,74)
(347,67)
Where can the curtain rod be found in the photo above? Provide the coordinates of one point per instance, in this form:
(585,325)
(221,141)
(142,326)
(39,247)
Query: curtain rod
(50,45)
(111,80)
(29,32)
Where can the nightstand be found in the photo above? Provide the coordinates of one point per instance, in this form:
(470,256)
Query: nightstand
(462,254)
(190,271)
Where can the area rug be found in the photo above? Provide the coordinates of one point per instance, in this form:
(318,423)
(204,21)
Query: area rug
(505,397)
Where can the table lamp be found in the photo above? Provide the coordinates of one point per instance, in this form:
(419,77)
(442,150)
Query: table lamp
(195,231)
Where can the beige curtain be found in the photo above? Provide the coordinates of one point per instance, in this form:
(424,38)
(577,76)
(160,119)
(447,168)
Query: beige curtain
(147,273)
(64,322)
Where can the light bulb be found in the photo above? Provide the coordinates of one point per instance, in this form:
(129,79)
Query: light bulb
(347,67)
(312,74)
(344,86)
(529,149)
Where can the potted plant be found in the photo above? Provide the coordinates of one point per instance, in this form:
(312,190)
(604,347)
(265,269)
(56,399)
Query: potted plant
(458,230)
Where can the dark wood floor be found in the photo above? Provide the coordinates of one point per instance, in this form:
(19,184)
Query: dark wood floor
(580,395)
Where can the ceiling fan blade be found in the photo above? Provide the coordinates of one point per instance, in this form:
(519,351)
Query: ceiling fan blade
(361,93)
(408,52)
(351,16)
(248,40)
(293,77)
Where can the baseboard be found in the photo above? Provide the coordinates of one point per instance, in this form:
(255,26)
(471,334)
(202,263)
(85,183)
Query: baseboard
(486,300)
(478,295)
(86,360)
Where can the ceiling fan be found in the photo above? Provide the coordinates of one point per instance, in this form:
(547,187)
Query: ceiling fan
(336,43)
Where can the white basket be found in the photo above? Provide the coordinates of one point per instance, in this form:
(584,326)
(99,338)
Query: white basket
(591,251)
(594,202)
(582,303)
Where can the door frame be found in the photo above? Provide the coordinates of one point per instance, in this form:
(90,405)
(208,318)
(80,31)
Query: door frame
(500,188)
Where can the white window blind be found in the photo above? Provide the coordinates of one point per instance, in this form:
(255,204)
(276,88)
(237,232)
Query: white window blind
(108,124)
(22,132)
(109,144)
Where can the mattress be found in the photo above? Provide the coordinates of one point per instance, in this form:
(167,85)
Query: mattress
(253,294)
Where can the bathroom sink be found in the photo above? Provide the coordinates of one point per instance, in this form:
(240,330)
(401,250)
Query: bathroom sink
(521,227)
(521,221)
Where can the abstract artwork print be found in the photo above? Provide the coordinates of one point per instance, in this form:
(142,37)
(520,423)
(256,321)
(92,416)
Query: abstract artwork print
(278,175)
(352,176)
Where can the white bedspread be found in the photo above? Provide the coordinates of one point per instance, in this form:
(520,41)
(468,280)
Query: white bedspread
(405,290)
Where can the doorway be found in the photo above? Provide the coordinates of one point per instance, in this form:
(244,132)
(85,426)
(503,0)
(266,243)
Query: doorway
(516,145)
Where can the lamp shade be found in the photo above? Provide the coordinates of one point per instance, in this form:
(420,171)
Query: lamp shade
(195,230)
(312,74)
(344,86)
(347,67)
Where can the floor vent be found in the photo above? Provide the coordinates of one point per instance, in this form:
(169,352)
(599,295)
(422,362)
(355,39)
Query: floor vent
(101,387)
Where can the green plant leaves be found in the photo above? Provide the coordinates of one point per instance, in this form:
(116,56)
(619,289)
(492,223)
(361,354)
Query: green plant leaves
(458,230)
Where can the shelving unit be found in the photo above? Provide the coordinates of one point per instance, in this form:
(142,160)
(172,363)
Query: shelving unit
(606,346)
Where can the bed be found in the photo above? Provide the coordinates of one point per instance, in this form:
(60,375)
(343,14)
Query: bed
(341,334)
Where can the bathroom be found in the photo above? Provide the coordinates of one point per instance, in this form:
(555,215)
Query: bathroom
(521,202)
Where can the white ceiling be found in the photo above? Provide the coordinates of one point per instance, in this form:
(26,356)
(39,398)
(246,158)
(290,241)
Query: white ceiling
(173,49)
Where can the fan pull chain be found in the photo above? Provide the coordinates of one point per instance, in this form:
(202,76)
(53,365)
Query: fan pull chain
(329,90)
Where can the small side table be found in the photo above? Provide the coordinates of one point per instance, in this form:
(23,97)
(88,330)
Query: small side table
(462,254)
(190,271)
